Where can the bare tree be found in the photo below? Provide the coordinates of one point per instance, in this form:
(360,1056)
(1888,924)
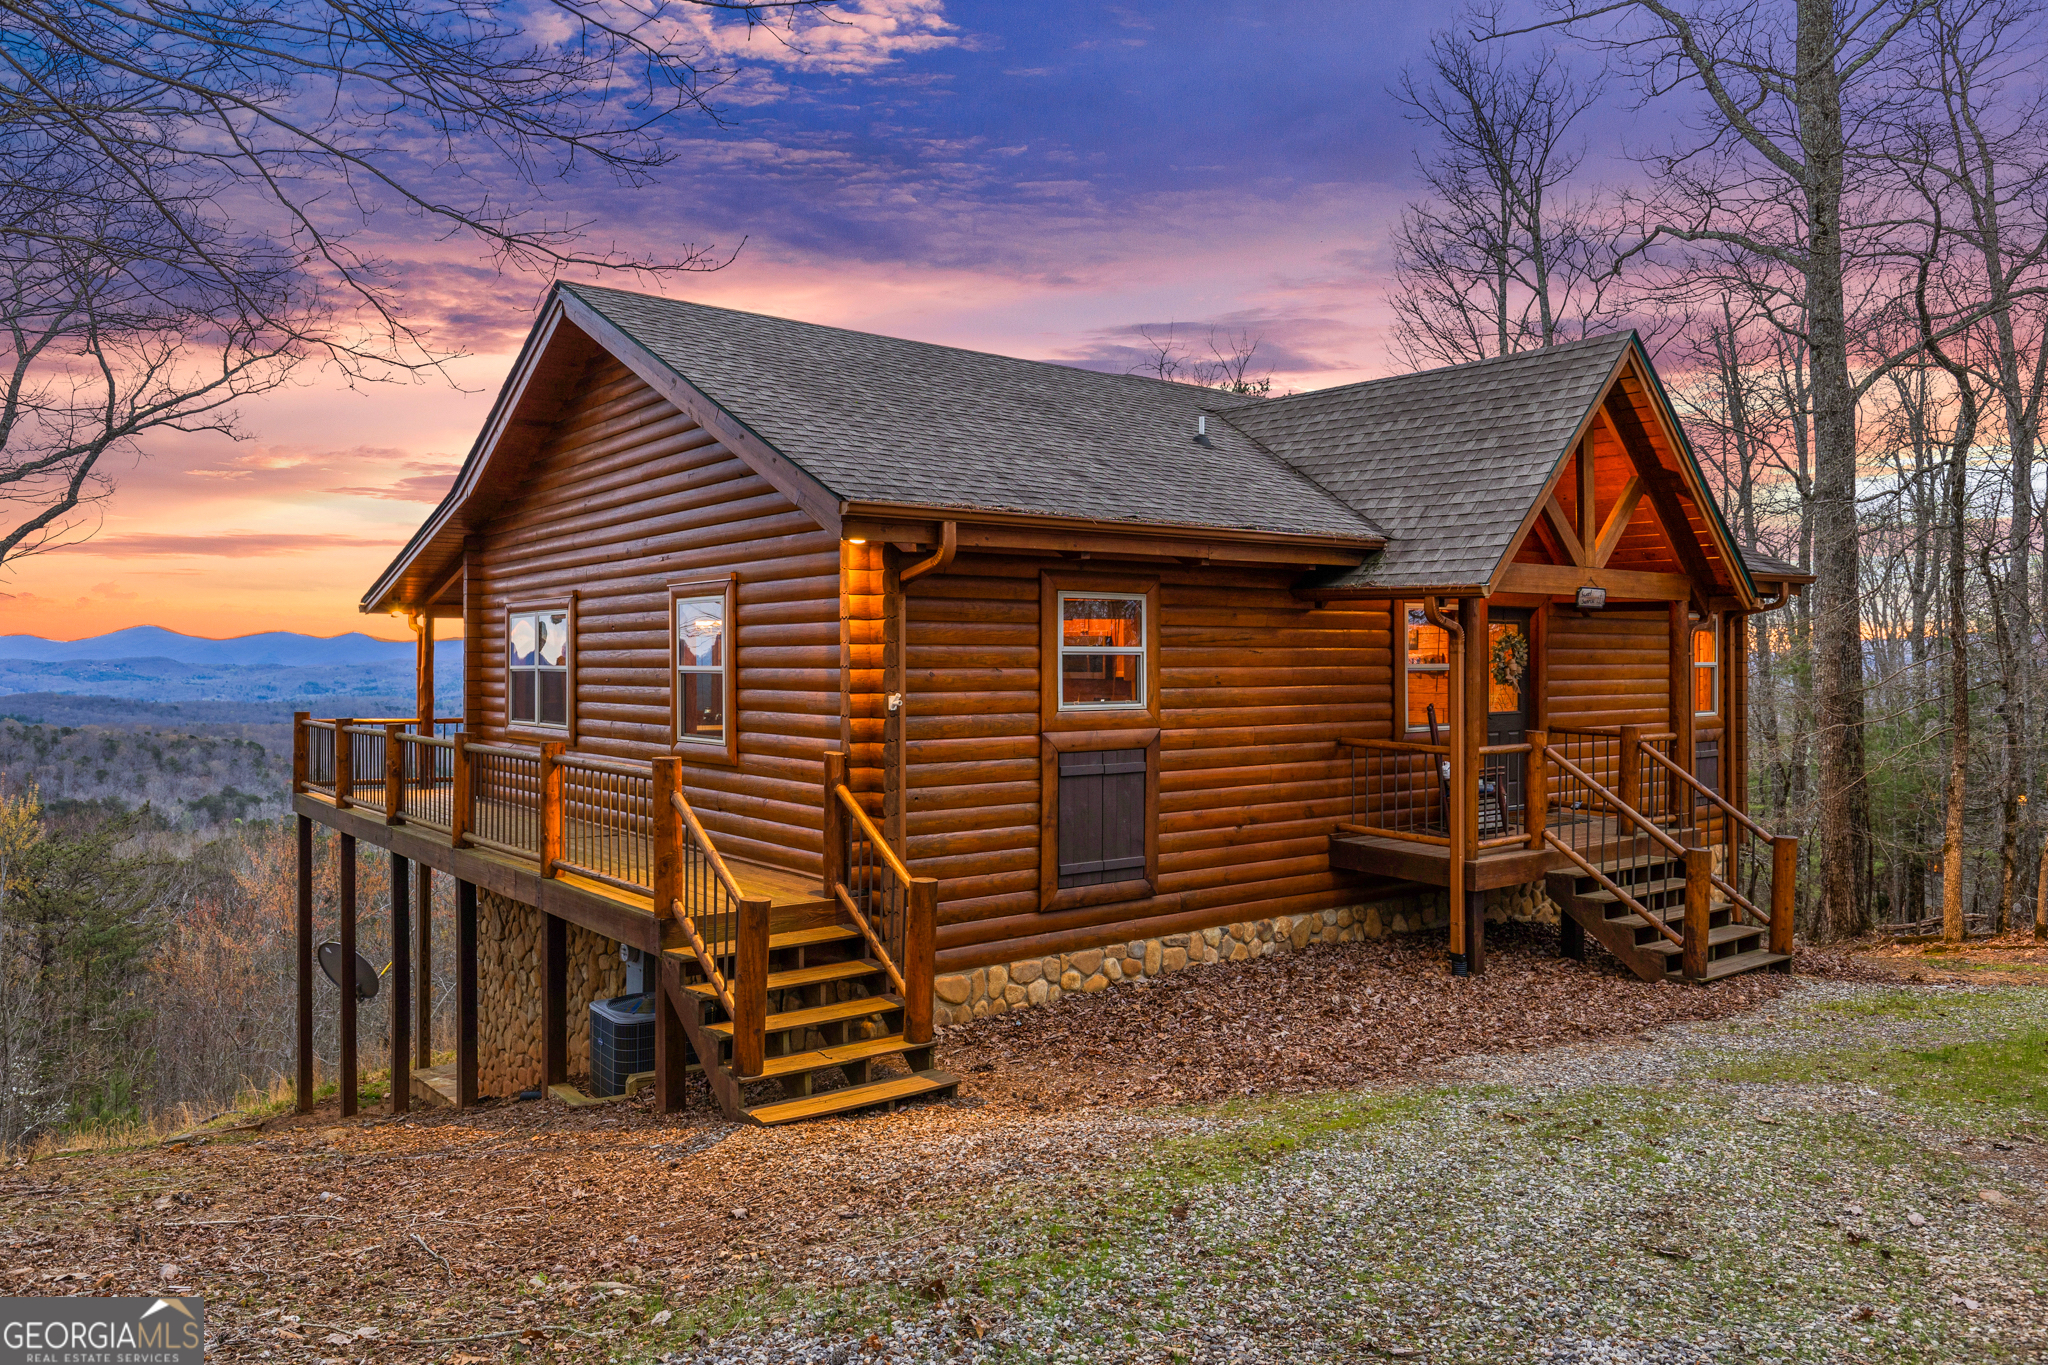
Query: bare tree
(1788,88)
(1496,258)
(185,188)
(1228,366)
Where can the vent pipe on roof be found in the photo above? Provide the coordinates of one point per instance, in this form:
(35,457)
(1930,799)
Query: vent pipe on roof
(1201,431)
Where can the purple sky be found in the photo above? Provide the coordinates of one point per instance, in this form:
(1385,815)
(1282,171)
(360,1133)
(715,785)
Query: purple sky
(1039,180)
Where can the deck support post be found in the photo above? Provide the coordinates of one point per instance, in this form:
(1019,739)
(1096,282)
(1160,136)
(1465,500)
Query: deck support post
(1571,937)
(667,832)
(835,821)
(1628,781)
(920,948)
(1536,788)
(554,1029)
(1784,886)
(1475,931)
(1699,909)
(465,994)
(459,794)
(423,966)
(671,1046)
(303,1100)
(350,1082)
(750,989)
(401,985)
(551,830)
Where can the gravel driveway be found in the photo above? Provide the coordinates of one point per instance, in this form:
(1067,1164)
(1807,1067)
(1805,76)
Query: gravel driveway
(1798,1184)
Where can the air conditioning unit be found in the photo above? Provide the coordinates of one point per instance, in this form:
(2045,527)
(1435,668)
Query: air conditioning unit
(621,1041)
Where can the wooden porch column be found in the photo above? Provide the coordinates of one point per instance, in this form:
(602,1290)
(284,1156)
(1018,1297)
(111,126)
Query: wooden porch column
(1472,718)
(347,871)
(423,669)
(671,1044)
(835,820)
(401,985)
(465,994)
(1683,750)
(551,830)
(554,996)
(423,963)
(304,949)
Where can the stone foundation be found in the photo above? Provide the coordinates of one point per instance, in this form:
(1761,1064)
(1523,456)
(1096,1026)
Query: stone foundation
(508,991)
(962,996)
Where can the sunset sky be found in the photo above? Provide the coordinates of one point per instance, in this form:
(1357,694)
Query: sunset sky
(1036,180)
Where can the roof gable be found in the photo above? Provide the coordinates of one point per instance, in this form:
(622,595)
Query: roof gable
(1448,462)
(886,422)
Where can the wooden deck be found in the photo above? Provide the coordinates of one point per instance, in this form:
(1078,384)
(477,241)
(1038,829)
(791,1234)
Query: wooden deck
(1512,865)
(795,900)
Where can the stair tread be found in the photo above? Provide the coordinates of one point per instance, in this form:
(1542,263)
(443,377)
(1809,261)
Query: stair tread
(795,938)
(853,1097)
(1640,890)
(802,976)
(1727,933)
(820,1014)
(1742,962)
(797,1063)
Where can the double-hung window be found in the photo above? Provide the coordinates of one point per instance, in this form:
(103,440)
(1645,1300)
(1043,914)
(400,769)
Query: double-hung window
(1706,670)
(537,667)
(700,669)
(1427,670)
(1102,650)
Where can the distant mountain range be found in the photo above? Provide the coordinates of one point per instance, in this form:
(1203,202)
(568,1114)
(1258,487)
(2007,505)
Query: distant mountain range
(275,668)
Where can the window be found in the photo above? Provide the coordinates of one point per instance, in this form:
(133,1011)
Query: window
(537,667)
(700,668)
(1102,650)
(1706,670)
(1428,670)
(1102,817)
(701,651)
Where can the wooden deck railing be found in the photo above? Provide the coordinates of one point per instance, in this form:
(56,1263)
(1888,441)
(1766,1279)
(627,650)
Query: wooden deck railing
(1604,846)
(1762,867)
(895,912)
(1401,792)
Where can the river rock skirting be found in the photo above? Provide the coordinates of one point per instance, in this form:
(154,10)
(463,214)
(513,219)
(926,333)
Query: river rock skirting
(508,1053)
(962,996)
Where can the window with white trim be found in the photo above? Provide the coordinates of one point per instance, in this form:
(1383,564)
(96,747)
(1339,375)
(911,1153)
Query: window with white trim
(701,663)
(1706,670)
(1426,665)
(1102,650)
(537,668)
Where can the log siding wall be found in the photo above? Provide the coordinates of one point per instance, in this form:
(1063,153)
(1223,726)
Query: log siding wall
(1255,688)
(628,496)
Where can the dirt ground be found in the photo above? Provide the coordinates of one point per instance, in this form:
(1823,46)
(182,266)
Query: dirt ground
(531,1226)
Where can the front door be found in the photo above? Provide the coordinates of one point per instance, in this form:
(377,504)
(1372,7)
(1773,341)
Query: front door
(1507,669)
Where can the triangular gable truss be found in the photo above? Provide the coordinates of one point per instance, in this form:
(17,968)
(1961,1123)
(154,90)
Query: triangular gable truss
(1578,532)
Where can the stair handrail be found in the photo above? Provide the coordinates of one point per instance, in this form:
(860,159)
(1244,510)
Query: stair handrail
(1628,813)
(1727,808)
(851,806)
(685,920)
(847,823)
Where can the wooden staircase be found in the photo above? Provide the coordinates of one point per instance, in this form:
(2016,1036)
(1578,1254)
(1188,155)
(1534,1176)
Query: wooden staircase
(830,1017)
(827,1006)
(1656,882)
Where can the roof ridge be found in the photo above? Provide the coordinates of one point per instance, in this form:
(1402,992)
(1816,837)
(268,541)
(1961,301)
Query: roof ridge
(1519,357)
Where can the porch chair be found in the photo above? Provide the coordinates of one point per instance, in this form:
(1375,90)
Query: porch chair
(1493,813)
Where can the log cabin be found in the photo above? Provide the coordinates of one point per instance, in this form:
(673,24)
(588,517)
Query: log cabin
(852,686)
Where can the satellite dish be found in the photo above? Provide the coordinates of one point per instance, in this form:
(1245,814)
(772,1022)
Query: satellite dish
(366,972)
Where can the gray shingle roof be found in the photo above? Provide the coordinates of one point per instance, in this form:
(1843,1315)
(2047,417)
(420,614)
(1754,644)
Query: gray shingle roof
(1446,461)
(879,419)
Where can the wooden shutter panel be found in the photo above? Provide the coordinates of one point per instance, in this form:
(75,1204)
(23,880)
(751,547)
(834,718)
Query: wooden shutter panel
(1706,765)
(1102,817)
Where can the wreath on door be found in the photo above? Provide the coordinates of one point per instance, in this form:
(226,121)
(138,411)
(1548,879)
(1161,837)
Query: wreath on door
(1510,658)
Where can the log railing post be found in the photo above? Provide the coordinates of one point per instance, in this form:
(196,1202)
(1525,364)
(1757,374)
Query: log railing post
(1536,789)
(835,821)
(1699,909)
(459,797)
(668,848)
(1784,885)
(301,750)
(344,763)
(1629,779)
(394,774)
(920,945)
(551,805)
(750,989)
